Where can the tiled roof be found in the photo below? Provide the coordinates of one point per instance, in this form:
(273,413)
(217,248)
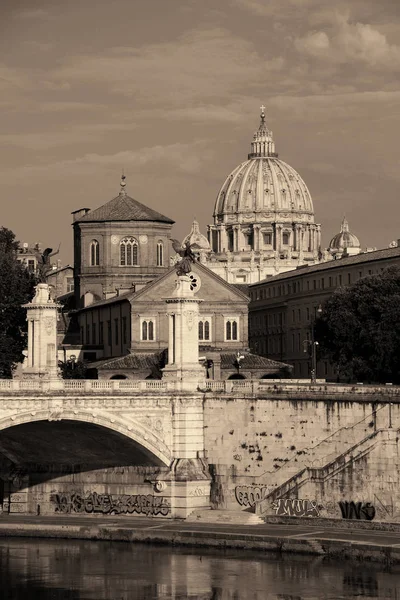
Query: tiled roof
(124,208)
(251,361)
(130,361)
(347,261)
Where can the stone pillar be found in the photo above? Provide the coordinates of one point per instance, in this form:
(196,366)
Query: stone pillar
(223,239)
(42,335)
(183,345)
(257,230)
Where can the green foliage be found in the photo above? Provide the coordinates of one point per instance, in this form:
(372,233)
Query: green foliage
(16,288)
(359,329)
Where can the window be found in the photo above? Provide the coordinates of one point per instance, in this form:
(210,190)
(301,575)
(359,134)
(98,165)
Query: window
(94,253)
(31,266)
(87,334)
(116,331)
(82,339)
(124,331)
(204,330)
(267,239)
(109,336)
(160,254)
(94,333)
(285,239)
(348,278)
(101,333)
(308,313)
(147,330)
(128,249)
(231,330)
(70,284)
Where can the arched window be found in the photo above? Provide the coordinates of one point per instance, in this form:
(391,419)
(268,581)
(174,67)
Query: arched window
(94,253)
(204,330)
(128,252)
(148,330)
(160,254)
(285,239)
(231,330)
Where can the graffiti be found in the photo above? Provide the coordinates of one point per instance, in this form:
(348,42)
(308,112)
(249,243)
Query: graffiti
(199,492)
(108,504)
(357,510)
(249,495)
(296,508)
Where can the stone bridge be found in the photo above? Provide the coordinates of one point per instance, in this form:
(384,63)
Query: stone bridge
(149,448)
(137,445)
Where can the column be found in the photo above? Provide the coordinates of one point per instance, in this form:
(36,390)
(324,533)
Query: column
(256,229)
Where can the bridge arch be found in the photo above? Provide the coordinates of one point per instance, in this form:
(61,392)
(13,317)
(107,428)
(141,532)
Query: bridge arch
(132,430)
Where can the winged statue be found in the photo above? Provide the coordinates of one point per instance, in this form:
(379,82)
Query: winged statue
(184,266)
(43,263)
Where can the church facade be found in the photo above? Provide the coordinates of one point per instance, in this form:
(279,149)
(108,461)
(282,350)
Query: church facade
(263,218)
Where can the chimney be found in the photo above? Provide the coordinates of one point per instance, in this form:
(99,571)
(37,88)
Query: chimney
(77,214)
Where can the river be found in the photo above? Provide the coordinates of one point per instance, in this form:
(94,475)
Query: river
(32,569)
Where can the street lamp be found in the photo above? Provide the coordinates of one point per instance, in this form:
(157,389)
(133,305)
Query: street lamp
(312,344)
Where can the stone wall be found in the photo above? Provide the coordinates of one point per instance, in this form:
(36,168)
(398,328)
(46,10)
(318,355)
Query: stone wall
(324,451)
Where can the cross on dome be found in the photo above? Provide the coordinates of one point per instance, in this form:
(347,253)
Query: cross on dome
(262,108)
(123,183)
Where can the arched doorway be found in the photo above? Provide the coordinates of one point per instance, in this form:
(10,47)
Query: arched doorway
(119,377)
(236,376)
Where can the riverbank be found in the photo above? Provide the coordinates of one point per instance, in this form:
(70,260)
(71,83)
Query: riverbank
(349,543)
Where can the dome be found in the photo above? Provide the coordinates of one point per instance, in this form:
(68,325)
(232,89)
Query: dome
(345,240)
(263,185)
(263,217)
(197,239)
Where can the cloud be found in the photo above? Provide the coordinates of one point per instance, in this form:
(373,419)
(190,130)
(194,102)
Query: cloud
(200,64)
(63,137)
(35,13)
(350,42)
(184,158)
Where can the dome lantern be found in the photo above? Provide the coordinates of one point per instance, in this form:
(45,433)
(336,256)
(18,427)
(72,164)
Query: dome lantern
(263,144)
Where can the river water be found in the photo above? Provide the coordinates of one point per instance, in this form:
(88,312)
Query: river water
(33,569)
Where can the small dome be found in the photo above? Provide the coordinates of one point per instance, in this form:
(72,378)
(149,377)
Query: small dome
(197,239)
(345,240)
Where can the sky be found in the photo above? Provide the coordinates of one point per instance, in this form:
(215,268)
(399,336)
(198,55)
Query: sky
(170,90)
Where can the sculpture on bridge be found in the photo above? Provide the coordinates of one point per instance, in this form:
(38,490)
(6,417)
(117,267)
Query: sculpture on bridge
(184,266)
(43,262)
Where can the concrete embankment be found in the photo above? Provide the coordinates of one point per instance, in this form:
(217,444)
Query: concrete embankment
(371,545)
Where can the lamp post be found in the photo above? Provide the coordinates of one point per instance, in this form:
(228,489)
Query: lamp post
(312,344)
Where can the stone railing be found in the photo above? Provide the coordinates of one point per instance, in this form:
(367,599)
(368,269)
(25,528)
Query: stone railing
(279,388)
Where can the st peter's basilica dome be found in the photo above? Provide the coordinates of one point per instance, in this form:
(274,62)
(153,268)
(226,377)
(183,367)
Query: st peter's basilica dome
(263,217)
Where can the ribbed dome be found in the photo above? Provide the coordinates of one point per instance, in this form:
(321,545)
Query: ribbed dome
(345,239)
(196,238)
(263,184)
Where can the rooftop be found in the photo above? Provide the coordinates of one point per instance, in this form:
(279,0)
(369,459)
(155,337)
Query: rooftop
(345,261)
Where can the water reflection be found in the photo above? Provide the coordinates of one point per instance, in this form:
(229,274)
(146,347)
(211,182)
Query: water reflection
(79,570)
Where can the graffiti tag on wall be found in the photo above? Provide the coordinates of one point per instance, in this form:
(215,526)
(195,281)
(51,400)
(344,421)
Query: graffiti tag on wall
(248,495)
(108,504)
(357,510)
(295,507)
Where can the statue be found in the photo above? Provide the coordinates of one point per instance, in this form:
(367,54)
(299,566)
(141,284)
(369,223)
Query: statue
(43,262)
(184,266)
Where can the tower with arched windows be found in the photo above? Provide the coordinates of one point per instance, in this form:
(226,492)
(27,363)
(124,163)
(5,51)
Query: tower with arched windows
(120,246)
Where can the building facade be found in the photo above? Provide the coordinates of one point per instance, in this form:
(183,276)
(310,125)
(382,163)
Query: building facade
(283,309)
(263,217)
(129,333)
(119,246)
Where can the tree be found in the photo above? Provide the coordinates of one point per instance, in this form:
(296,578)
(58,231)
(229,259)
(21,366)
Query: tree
(16,288)
(359,329)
